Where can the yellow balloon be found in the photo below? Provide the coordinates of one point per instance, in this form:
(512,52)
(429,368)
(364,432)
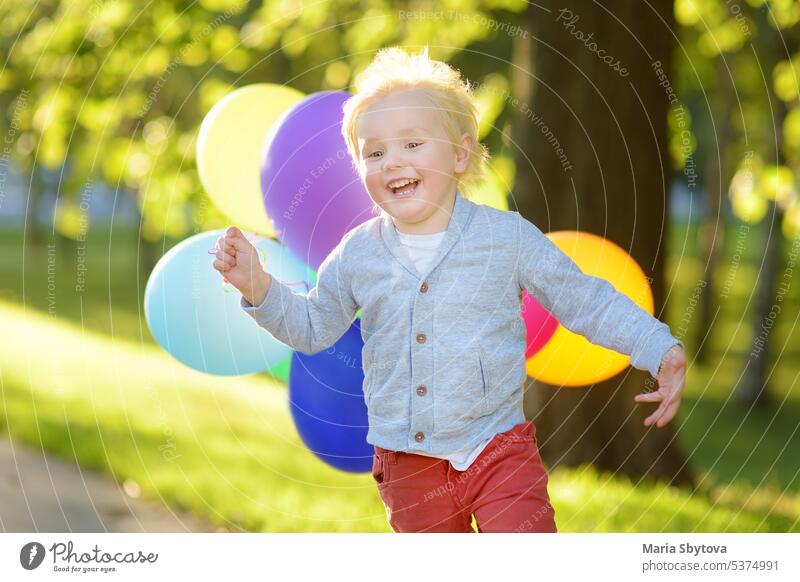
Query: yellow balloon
(569,359)
(229,150)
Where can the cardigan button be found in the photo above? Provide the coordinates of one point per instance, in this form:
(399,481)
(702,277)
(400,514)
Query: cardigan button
(419,437)
(424,287)
(421,337)
(422,390)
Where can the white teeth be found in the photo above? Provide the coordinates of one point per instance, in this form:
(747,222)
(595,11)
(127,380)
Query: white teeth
(407,191)
(400,183)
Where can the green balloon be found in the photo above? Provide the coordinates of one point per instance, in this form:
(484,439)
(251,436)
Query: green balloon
(280,371)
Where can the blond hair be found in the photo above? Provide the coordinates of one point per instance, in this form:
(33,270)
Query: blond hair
(393,69)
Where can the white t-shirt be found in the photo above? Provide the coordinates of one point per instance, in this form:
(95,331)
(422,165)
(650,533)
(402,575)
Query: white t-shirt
(422,248)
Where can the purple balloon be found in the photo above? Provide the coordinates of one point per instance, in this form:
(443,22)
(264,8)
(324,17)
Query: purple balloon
(312,193)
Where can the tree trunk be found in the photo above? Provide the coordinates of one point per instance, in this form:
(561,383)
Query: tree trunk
(712,231)
(610,119)
(34,233)
(753,390)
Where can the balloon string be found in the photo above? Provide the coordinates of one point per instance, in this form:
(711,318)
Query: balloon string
(251,240)
(262,260)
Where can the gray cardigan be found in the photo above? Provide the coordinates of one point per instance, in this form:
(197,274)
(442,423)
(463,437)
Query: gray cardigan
(444,350)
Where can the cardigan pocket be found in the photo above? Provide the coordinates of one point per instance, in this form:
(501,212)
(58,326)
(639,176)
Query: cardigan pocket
(490,388)
(465,398)
(480,386)
(371,372)
(484,374)
(488,385)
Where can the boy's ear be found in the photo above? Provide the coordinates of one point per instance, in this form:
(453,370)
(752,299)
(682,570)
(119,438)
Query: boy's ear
(464,151)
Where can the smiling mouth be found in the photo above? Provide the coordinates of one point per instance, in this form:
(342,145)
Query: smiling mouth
(406,190)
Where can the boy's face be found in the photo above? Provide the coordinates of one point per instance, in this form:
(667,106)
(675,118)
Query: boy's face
(401,138)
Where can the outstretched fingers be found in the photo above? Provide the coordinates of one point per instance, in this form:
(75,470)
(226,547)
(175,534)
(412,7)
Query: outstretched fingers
(649,397)
(663,414)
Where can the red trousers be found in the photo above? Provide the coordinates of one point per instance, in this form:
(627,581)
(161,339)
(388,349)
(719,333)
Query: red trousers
(505,488)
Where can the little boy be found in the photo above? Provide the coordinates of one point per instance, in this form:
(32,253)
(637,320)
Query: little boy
(439,280)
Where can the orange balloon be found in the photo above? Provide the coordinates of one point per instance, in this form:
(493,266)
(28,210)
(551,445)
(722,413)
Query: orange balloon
(569,359)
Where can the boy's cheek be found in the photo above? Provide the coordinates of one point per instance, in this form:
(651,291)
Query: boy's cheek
(369,173)
(367,180)
(373,185)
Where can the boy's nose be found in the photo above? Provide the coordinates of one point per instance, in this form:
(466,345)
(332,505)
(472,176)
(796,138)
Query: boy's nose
(391,162)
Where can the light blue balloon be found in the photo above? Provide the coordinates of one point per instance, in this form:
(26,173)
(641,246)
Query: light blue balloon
(196,317)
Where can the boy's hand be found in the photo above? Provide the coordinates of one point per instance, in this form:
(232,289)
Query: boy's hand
(237,261)
(671,380)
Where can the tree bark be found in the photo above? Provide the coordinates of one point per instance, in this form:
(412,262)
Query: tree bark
(712,230)
(610,118)
(34,234)
(753,390)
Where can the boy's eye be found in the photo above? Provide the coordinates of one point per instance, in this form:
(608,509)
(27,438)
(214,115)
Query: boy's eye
(411,145)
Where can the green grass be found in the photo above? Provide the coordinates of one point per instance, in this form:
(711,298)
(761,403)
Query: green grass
(112,297)
(88,383)
(588,501)
(222,447)
(225,448)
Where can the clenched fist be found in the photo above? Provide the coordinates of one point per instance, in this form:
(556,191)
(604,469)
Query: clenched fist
(237,261)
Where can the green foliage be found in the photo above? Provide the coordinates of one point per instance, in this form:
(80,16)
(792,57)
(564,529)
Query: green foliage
(120,91)
(744,51)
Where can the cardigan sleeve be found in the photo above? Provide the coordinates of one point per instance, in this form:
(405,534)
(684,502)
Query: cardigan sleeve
(587,305)
(309,322)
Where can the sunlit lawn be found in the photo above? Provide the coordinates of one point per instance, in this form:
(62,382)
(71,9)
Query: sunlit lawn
(89,383)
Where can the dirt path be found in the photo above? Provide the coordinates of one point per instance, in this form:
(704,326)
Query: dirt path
(41,493)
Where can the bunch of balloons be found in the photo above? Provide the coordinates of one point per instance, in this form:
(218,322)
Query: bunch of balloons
(274,161)
(558,356)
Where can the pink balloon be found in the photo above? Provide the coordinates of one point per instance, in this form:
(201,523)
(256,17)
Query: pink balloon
(539,324)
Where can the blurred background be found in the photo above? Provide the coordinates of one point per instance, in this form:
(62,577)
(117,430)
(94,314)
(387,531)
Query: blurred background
(671,128)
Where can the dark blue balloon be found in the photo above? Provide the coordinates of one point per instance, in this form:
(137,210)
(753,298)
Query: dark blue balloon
(327,403)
